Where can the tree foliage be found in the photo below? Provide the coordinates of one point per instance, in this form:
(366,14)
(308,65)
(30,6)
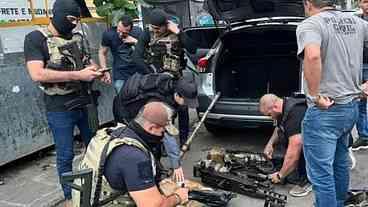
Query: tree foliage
(113,9)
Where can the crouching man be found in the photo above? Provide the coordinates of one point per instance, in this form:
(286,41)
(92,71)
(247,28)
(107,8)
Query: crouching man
(176,93)
(288,113)
(125,160)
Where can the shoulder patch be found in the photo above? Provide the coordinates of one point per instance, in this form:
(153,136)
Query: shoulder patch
(145,171)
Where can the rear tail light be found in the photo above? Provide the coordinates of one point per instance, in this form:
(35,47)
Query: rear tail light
(202,62)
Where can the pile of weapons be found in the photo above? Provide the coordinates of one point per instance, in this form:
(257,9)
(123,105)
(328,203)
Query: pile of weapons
(241,172)
(357,198)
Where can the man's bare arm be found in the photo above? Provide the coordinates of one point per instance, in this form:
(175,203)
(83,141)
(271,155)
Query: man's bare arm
(292,155)
(269,148)
(312,67)
(151,197)
(102,56)
(40,74)
(274,139)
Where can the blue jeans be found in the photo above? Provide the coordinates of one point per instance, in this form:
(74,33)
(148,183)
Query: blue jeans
(172,150)
(62,126)
(325,143)
(362,124)
(118,84)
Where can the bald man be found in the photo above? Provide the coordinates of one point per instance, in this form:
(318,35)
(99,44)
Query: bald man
(131,165)
(288,113)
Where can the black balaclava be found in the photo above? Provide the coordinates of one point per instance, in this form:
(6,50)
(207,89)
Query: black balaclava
(154,142)
(61,9)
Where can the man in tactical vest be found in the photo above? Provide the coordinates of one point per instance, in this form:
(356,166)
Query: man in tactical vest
(128,154)
(176,93)
(160,48)
(288,113)
(362,124)
(52,67)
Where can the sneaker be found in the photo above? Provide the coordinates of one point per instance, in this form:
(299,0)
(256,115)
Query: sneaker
(360,144)
(352,158)
(301,190)
(356,199)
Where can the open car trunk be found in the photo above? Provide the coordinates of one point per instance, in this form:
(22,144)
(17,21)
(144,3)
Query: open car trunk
(256,61)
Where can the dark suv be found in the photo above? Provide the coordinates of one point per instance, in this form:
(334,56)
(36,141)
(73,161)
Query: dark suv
(252,52)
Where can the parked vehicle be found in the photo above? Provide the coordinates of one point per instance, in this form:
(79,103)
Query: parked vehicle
(252,53)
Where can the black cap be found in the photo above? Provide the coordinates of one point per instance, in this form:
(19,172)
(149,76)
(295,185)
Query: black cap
(158,17)
(187,88)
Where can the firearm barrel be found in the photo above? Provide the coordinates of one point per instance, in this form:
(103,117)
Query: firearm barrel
(185,147)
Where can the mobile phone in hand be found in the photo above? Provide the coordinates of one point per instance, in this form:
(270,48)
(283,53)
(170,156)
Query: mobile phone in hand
(104,70)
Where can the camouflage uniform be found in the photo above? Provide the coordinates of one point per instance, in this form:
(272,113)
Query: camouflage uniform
(92,158)
(60,60)
(165,53)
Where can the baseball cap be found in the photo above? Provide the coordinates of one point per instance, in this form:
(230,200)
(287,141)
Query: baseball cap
(187,88)
(158,17)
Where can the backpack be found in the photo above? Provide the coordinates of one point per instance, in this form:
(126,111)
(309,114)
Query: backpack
(138,90)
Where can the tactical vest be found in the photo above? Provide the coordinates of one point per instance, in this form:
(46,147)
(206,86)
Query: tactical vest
(98,150)
(165,53)
(59,59)
(289,104)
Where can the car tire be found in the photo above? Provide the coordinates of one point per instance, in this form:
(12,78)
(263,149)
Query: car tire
(214,129)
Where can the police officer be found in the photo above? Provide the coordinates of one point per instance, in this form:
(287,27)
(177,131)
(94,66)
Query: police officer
(130,165)
(160,49)
(141,89)
(330,45)
(288,113)
(41,47)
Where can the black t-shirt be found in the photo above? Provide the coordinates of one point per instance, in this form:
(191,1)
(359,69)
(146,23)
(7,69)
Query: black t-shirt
(129,169)
(123,67)
(293,122)
(35,48)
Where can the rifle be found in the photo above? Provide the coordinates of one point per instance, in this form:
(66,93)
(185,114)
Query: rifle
(88,98)
(208,197)
(187,144)
(84,189)
(211,198)
(240,172)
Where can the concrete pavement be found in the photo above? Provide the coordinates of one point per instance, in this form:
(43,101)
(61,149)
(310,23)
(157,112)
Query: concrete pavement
(33,182)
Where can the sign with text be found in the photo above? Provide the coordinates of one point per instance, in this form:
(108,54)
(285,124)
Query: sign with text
(17,10)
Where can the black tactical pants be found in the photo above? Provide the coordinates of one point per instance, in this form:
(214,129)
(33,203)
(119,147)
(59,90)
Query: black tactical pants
(183,114)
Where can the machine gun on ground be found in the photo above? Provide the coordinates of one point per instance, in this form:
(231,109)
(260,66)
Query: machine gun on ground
(241,172)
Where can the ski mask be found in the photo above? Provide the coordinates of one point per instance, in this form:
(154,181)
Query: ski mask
(61,9)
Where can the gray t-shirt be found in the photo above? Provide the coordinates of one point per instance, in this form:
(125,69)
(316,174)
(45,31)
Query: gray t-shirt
(341,37)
